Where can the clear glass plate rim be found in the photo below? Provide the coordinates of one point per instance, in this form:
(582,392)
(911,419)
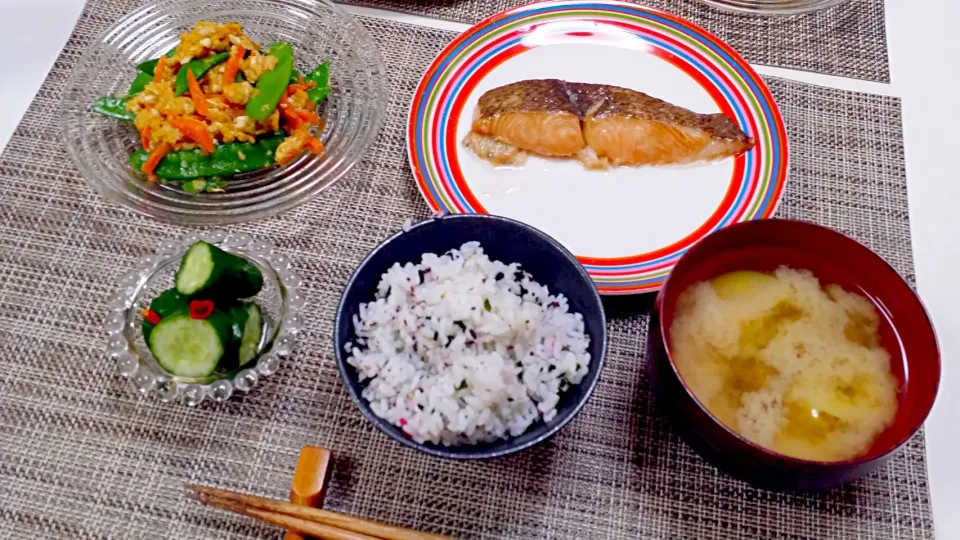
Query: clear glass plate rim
(122,327)
(773,7)
(310,178)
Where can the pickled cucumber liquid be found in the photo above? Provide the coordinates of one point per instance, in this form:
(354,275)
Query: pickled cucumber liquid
(792,366)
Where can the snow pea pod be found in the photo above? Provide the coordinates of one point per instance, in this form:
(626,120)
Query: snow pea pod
(321,76)
(140,83)
(225,160)
(272,84)
(114,107)
(150,66)
(199,67)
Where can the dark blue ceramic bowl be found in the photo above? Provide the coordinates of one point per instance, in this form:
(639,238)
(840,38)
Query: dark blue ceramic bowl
(502,239)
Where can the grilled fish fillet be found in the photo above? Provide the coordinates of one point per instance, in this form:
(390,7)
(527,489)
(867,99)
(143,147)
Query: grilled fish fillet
(600,125)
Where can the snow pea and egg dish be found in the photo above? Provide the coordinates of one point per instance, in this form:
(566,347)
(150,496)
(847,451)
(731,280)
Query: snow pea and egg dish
(219,105)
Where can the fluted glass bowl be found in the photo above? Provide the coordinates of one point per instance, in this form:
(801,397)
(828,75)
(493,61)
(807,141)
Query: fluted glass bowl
(280,301)
(318,30)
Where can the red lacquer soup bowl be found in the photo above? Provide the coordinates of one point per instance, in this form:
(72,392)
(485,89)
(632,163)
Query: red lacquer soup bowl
(906,332)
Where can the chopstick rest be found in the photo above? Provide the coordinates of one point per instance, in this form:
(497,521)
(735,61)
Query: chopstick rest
(310,481)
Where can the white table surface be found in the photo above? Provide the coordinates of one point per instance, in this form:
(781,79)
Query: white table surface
(925,72)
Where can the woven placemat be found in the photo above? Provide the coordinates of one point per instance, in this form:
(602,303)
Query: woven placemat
(82,455)
(848,40)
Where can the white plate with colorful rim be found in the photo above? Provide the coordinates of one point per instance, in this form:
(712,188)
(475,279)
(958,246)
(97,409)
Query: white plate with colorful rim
(629,225)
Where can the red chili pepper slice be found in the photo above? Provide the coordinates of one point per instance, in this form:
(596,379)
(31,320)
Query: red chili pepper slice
(150,316)
(200,309)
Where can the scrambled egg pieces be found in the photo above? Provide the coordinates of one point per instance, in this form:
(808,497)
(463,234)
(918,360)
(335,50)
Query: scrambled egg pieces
(209,37)
(158,109)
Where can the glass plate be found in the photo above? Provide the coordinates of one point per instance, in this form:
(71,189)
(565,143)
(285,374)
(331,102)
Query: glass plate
(773,7)
(280,301)
(318,30)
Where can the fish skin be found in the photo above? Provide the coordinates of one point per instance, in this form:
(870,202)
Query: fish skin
(543,95)
(604,101)
(536,116)
(601,125)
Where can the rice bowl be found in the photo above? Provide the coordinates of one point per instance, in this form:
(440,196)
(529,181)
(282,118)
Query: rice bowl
(461,349)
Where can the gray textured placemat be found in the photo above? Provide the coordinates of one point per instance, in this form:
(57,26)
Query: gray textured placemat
(848,40)
(82,455)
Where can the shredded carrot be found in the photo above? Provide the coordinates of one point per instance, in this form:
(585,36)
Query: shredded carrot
(308,116)
(196,94)
(294,88)
(233,65)
(315,145)
(296,117)
(145,138)
(302,138)
(153,160)
(291,126)
(195,130)
(162,70)
(292,121)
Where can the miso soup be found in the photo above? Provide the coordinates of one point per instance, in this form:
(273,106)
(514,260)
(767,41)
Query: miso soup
(790,365)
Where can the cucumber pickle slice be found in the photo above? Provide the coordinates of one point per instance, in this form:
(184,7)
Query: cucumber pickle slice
(209,269)
(188,347)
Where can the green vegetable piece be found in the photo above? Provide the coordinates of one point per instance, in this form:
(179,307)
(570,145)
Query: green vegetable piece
(192,348)
(238,312)
(199,67)
(294,76)
(150,66)
(212,271)
(170,302)
(226,160)
(166,304)
(272,84)
(251,332)
(139,83)
(321,76)
(486,304)
(214,184)
(197,185)
(113,107)
(317,94)
(238,316)
(462,385)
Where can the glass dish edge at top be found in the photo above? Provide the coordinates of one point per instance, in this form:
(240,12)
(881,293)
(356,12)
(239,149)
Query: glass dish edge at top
(122,323)
(772,8)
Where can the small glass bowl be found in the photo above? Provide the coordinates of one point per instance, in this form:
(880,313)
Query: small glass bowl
(318,30)
(280,301)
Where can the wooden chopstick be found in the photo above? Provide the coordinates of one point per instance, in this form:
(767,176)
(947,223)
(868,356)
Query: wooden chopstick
(318,530)
(300,517)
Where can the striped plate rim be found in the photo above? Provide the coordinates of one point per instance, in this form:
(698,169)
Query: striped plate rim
(760,174)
